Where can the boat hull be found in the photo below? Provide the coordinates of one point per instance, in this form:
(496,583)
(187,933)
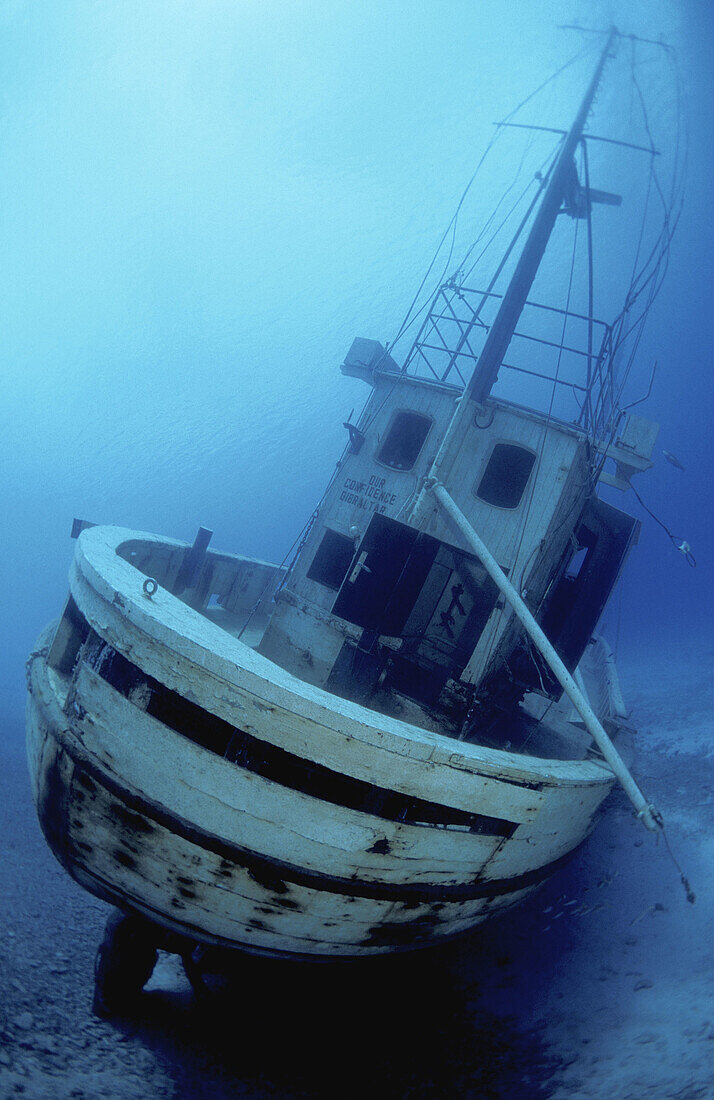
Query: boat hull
(330,831)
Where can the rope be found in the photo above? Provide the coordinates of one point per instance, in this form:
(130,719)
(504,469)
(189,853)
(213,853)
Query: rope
(679,544)
(691,896)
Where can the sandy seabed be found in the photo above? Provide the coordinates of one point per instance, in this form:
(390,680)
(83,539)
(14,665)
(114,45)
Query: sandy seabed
(600,986)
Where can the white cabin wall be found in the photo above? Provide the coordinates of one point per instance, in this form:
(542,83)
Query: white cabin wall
(557,495)
(517,537)
(363,486)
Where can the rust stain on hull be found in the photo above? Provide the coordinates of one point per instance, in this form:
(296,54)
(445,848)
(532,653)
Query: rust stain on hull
(131,849)
(53,801)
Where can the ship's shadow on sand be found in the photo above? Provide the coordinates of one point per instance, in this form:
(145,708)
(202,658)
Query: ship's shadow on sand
(599,985)
(405,1030)
(466,1019)
(411,1025)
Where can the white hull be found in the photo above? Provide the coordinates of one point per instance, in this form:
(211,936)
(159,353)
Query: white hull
(254,810)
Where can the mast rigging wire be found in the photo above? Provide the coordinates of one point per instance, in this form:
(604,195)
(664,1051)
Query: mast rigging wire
(679,544)
(454,219)
(649,277)
(646,280)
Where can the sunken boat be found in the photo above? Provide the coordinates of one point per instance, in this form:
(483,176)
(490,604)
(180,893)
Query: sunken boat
(406,729)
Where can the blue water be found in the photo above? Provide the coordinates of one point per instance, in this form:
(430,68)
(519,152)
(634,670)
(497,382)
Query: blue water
(201,205)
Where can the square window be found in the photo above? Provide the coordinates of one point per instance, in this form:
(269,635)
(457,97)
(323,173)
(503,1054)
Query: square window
(332,560)
(506,475)
(404,440)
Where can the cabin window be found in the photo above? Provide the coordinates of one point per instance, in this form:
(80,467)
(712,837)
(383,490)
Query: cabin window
(505,478)
(332,560)
(404,440)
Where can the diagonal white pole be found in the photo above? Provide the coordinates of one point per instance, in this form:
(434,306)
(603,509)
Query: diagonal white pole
(645,811)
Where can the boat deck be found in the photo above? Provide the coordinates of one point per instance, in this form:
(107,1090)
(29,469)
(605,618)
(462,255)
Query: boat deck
(249,631)
(235,594)
(550,736)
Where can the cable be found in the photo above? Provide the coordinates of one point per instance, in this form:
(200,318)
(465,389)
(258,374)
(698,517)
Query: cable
(691,896)
(647,278)
(467,188)
(679,544)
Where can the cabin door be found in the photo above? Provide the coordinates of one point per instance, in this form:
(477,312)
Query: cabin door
(605,536)
(434,596)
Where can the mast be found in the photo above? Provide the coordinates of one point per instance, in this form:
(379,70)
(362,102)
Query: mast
(499,337)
